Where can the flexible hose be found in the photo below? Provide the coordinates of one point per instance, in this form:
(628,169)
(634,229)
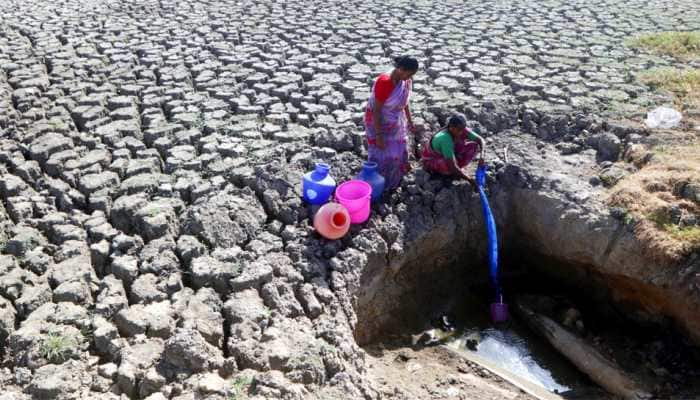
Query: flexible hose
(490,231)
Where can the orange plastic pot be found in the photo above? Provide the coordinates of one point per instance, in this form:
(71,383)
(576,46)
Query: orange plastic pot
(332,221)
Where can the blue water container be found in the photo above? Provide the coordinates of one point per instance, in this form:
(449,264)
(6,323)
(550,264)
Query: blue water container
(317,185)
(371,175)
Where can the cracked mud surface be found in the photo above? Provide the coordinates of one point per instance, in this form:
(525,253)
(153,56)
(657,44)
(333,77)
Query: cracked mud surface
(151,153)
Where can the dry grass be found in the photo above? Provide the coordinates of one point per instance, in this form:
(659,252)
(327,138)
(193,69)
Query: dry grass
(650,194)
(653,195)
(683,83)
(56,348)
(681,45)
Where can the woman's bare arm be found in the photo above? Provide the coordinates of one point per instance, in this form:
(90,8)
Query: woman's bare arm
(377,120)
(408,115)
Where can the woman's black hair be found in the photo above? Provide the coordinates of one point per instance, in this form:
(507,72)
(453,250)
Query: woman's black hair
(406,62)
(458,120)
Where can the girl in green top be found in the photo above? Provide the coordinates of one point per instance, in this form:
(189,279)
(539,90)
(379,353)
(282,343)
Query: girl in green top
(452,148)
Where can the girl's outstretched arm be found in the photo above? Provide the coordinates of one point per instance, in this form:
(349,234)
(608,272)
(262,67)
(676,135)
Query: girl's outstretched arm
(482,146)
(456,171)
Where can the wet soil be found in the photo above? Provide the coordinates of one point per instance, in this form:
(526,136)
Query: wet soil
(400,372)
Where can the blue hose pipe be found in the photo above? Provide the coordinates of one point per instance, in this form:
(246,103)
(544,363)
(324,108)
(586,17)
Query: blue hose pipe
(491,232)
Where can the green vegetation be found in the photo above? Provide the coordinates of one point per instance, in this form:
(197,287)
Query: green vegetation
(236,268)
(153,210)
(608,179)
(683,83)
(649,194)
(88,331)
(685,234)
(240,387)
(56,347)
(200,121)
(681,45)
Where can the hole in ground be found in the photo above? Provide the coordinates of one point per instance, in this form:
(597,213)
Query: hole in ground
(398,306)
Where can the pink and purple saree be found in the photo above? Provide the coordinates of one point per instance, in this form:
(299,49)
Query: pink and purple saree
(393,159)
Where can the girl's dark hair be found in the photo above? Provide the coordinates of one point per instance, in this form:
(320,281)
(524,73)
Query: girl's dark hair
(406,62)
(458,120)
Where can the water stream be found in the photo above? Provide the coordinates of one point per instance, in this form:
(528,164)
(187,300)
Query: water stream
(513,347)
(654,356)
(511,352)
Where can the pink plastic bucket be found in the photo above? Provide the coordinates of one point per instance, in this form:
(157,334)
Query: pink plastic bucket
(355,196)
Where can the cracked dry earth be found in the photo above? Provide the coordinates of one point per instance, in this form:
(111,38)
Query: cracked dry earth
(151,153)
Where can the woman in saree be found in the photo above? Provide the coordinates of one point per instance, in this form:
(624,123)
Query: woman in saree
(388,120)
(452,148)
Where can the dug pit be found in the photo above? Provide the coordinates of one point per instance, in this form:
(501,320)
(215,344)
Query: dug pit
(557,239)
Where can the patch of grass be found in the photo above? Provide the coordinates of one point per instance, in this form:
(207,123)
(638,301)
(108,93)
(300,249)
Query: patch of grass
(56,348)
(608,180)
(628,218)
(88,331)
(240,387)
(153,211)
(649,194)
(689,234)
(681,45)
(236,269)
(629,75)
(686,234)
(200,121)
(683,83)
(326,347)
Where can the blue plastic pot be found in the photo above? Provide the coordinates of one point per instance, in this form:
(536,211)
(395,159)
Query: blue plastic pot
(318,185)
(371,175)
